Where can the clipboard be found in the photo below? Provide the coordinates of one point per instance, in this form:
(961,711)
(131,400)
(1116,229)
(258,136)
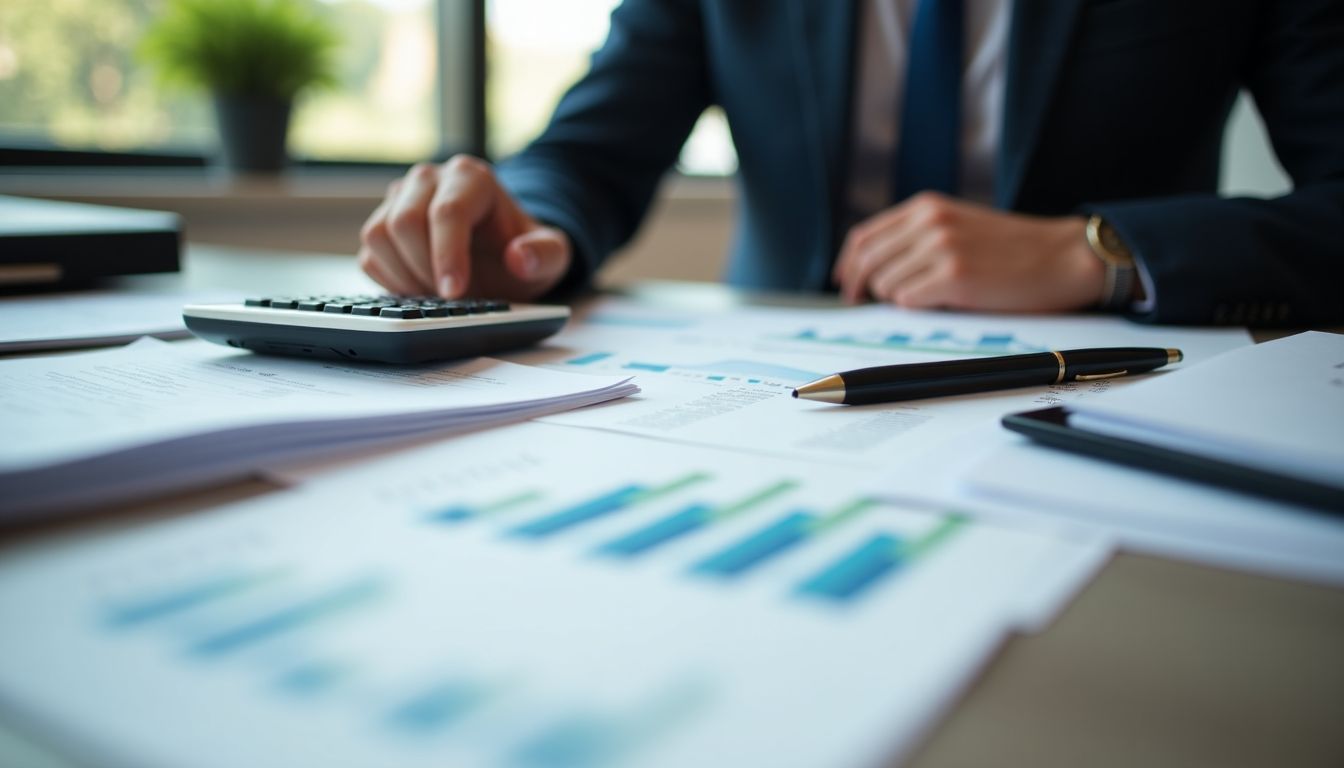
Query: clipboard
(1052,427)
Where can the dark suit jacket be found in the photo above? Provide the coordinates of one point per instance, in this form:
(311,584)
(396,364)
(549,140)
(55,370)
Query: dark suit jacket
(1112,106)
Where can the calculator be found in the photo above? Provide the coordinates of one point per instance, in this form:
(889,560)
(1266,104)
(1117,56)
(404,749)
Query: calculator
(382,329)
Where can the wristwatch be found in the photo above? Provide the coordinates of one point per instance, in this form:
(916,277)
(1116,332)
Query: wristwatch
(1118,289)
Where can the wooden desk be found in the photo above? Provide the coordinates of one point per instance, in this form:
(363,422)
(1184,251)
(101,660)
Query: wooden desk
(1156,663)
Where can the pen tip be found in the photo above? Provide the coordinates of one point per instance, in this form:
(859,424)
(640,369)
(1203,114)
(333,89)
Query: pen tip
(795,394)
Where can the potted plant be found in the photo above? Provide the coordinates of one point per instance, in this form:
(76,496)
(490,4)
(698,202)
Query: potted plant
(254,57)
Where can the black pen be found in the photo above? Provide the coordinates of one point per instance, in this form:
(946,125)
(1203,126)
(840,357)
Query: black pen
(959,377)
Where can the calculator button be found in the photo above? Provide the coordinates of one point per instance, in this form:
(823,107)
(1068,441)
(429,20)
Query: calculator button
(401,313)
(312,305)
(367,309)
(337,308)
(257,303)
(283,304)
(433,311)
(496,305)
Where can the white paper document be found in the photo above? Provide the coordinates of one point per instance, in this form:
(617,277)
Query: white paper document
(153,416)
(725,378)
(1009,479)
(532,596)
(1278,406)
(94,318)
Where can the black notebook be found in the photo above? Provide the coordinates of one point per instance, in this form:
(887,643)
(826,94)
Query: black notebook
(48,243)
(1266,419)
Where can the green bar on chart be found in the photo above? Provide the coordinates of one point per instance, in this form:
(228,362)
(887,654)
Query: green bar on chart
(688,520)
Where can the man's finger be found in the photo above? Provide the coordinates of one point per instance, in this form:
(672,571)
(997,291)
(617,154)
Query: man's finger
(408,222)
(930,288)
(888,281)
(864,232)
(387,272)
(893,244)
(539,257)
(378,256)
(466,196)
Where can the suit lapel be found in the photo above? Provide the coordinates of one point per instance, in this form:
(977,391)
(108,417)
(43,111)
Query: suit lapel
(824,40)
(1038,44)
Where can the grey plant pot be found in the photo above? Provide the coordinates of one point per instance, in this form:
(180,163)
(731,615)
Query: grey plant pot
(252,132)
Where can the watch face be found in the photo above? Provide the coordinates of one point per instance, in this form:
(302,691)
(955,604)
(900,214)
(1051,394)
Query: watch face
(1110,240)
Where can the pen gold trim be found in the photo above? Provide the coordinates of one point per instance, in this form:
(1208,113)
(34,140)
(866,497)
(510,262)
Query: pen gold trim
(1062,365)
(1096,376)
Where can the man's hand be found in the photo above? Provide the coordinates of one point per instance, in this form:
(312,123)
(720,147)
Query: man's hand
(935,251)
(452,230)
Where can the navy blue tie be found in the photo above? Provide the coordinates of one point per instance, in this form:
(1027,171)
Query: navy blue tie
(929,153)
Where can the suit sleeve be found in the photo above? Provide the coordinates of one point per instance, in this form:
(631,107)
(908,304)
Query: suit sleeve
(593,172)
(1247,261)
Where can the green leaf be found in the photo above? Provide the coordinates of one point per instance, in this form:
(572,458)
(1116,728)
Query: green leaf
(265,48)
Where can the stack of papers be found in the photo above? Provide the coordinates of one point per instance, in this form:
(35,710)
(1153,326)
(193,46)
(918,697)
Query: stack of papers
(152,416)
(492,600)
(709,572)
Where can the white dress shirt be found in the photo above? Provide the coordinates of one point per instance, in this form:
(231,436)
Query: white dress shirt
(883,40)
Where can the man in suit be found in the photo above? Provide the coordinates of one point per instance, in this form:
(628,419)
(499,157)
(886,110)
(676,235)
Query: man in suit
(1015,155)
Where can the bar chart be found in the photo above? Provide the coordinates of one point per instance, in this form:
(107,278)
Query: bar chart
(736,370)
(692,504)
(939,340)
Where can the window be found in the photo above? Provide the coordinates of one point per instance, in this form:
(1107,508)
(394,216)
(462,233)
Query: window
(70,79)
(407,87)
(537,48)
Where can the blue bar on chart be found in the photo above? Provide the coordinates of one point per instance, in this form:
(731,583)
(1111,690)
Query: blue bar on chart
(992,341)
(691,519)
(679,524)
(290,618)
(185,598)
(856,571)
(310,678)
(455,514)
(759,547)
(438,707)
(592,509)
(881,556)
(574,743)
(601,506)
(651,367)
(459,513)
(595,357)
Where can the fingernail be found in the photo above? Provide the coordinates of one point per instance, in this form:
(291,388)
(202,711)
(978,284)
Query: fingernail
(446,287)
(530,260)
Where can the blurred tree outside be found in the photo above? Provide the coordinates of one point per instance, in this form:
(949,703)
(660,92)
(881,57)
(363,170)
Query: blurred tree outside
(69,76)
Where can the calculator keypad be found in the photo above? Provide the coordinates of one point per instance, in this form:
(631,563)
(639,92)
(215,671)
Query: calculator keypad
(395,307)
